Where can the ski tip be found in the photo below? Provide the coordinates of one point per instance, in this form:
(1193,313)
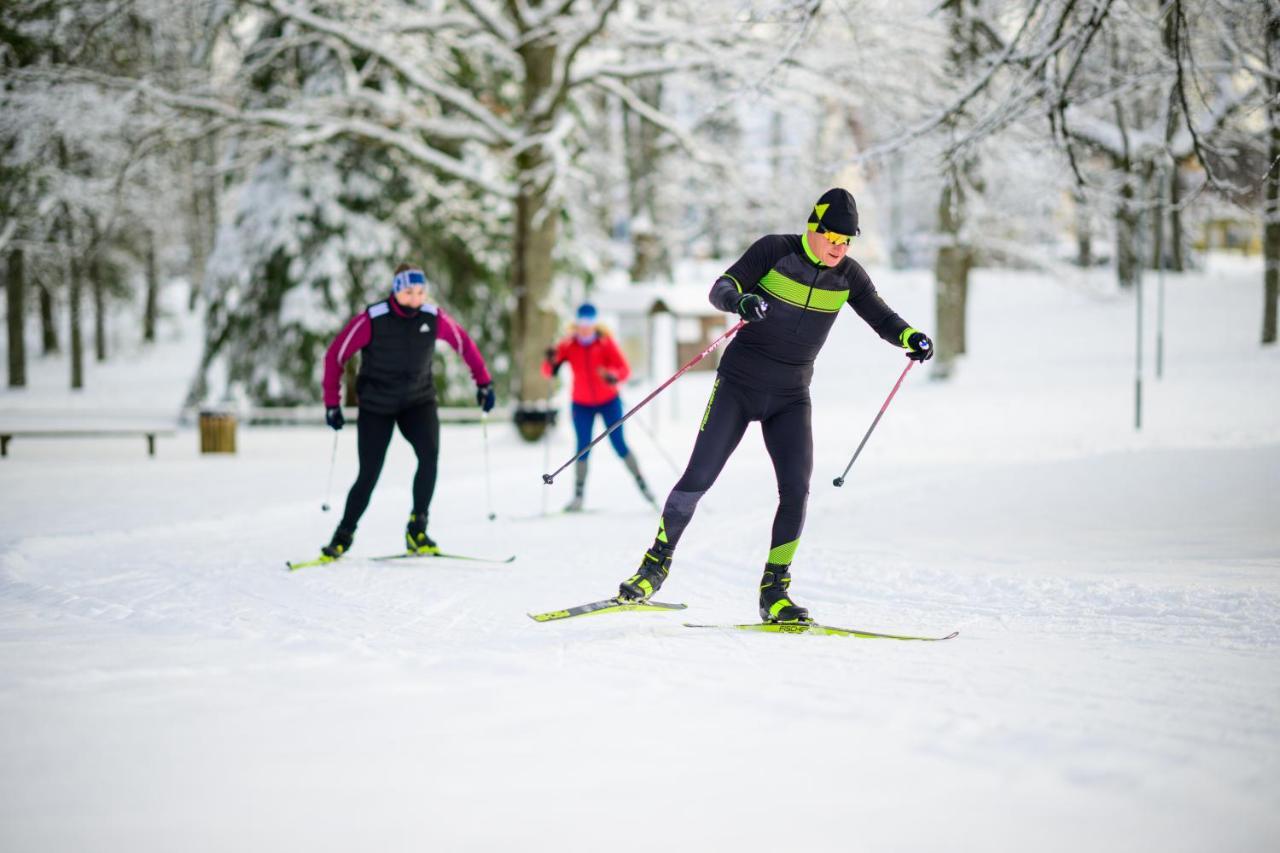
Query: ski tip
(547,617)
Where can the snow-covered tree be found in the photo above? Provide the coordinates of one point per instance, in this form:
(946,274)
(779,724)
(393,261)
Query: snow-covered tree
(86,187)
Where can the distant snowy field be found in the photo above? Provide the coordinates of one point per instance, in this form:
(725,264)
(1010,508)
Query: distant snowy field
(166,685)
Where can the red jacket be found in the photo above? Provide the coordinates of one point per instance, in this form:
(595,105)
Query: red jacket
(591,363)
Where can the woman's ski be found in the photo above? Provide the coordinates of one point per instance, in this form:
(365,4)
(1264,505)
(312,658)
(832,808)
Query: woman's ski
(406,555)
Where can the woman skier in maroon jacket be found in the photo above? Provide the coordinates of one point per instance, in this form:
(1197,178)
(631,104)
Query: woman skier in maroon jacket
(396,338)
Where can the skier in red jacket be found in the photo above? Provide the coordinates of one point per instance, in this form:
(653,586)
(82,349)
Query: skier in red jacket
(598,368)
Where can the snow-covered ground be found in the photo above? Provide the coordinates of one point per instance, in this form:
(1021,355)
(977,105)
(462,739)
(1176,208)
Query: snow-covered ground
(166,685)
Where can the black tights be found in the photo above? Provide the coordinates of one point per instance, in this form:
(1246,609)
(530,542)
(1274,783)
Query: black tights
(785,421)
(420,425)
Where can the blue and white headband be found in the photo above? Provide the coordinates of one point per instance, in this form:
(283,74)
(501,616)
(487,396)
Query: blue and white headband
(408,278)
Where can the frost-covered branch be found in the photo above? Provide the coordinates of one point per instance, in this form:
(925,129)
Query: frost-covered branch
(305,129)
(453,95)
(642,70)
(569,54)
(961,102)
(491,19)
(658,119)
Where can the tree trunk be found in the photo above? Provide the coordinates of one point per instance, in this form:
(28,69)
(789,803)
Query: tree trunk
(951,272)
(536,226)
(899,255)
(48,328)
(1177,253)
(75,291)
(955,255)
(534,325)
(1271,212)
(97,273)
(202,221)
(650,259)
(1171,257)
(153,291)
(15,287)
(1127,220)
(1084,231)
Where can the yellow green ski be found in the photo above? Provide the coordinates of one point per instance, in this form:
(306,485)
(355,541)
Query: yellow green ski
(406,555)
(608,605)
(815,628)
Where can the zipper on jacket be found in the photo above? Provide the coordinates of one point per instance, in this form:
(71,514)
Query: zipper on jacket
(808,297)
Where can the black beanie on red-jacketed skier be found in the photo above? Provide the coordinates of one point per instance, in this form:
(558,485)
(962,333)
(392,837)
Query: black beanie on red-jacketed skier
(835,211)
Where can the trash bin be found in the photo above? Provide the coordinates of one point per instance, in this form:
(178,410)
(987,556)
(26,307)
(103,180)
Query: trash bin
(217,432)
(532,423)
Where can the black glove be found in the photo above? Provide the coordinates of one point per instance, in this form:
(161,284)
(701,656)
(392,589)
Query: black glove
(919,347)
(609,377)
(485,397)
(551,360)
(752,308)
(333,417)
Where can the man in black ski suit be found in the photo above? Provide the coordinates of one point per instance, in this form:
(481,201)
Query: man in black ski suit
(789,288)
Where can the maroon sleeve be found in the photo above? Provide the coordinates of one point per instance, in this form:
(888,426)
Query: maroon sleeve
(354,337)
(455,336)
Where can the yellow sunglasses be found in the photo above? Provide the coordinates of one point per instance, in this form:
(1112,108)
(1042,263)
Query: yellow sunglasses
(836,239)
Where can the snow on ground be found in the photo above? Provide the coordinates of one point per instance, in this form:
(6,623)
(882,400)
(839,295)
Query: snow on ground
(165,685)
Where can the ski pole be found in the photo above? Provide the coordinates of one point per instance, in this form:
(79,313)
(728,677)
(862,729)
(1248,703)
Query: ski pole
(328,487)
(839,481)
(550,478)
(488,481)
(546,437)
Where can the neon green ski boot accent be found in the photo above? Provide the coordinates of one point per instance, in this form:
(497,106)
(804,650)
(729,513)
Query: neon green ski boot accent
(339,544)
(654,567)
(775,603)
(416,538)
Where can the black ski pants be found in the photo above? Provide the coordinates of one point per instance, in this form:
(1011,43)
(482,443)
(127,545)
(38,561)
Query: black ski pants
(786,422)
(420,425)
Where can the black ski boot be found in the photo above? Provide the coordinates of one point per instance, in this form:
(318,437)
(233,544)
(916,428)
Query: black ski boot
(649,577)
(775,604)
(339,544)
(415,535)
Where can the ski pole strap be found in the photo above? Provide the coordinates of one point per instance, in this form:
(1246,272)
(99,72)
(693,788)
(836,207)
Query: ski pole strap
(839,481)
(550,478)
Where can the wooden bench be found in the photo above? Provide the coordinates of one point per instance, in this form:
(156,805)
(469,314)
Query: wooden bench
(7,435)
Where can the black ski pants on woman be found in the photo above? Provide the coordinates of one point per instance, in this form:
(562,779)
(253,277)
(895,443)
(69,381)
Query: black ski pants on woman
(786,422)
(420,425)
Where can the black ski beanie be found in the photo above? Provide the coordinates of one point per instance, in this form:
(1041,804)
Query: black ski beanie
(835,211)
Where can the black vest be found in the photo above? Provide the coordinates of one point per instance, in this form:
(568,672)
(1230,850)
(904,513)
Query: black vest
(395,366)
